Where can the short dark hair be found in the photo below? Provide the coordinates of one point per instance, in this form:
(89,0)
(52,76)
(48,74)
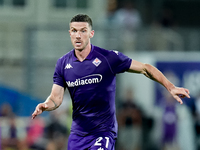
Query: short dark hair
(82,18)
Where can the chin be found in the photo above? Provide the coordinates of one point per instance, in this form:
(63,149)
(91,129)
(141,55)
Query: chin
(78,48)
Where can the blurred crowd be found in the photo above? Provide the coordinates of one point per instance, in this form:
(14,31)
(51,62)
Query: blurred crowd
(42,133)
(160,35)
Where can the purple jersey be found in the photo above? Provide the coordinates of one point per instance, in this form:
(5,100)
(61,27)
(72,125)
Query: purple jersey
(92,85)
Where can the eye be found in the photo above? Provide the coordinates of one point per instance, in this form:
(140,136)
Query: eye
(73,30)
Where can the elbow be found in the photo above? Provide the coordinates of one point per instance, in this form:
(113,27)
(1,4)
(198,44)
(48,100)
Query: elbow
(148,71)
(145,69)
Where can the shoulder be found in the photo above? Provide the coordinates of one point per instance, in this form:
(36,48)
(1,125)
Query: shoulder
(105,52)
(65,58)
(111,55)
(67,55)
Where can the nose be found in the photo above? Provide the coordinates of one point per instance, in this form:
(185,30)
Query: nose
(78,35)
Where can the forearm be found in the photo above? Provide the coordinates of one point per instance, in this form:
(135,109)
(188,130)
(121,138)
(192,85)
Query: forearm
(52,103)
(154,74)
(151,72)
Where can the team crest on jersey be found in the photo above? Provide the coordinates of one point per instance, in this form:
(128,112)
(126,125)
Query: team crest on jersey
(96,62)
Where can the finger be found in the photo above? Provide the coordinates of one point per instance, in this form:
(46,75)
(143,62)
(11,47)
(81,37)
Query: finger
(184,93)
(45,106)
(178,99)
(39,109)
(34,115)
(182,96)
(187,93)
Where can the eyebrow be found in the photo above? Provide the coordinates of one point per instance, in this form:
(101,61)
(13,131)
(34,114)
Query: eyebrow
(80,29)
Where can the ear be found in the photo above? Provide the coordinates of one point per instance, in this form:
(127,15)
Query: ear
(91,33)
(69,33)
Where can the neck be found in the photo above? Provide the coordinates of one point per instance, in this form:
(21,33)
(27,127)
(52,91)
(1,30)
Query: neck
(82,54)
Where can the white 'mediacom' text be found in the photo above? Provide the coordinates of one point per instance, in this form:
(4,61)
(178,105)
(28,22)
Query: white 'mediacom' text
(90,79)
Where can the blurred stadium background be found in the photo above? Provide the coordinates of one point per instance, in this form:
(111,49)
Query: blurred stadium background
(164,33)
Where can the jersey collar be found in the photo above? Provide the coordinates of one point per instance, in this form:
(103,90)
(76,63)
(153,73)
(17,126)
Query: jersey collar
(74,58)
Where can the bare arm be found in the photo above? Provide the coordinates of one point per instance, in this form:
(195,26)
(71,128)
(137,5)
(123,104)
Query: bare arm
(52,102)
(154,74)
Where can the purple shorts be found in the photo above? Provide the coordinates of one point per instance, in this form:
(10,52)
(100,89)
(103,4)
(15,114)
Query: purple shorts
(100,141)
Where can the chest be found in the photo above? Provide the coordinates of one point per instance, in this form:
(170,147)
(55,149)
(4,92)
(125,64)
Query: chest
(87,71)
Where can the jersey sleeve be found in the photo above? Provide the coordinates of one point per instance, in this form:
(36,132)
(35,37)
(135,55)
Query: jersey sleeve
(119,62)
(58,77)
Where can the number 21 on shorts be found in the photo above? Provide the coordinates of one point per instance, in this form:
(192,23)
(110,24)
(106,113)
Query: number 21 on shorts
(99,141)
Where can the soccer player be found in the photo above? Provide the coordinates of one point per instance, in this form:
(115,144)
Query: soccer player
(89,73)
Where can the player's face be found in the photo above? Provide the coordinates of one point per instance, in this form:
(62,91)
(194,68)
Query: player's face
(80,33)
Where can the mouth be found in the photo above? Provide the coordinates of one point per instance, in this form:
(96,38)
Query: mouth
(78,43)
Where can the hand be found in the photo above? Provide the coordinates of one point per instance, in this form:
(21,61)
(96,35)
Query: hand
(179,93)
(39,109)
